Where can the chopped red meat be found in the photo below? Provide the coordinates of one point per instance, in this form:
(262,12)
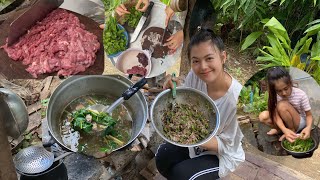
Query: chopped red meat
(57,43)
(143,59)
(137,70)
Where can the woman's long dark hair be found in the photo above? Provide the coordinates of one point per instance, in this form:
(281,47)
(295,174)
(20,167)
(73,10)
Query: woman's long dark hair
(273,74)
(203,35)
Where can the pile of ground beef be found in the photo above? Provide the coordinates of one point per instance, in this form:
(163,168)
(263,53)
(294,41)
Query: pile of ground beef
(151,39)
(140,70)
(57,43)
(137,70)
(143,59)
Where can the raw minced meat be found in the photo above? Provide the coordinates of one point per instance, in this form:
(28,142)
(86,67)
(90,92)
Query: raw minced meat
(137,70)
(57,43)
(143,59)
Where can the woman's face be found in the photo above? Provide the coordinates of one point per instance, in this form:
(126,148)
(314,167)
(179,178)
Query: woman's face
(282,88)
(207,61)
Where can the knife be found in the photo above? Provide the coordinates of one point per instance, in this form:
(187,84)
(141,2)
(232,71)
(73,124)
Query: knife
(141,23)
(164,32)
(39,10)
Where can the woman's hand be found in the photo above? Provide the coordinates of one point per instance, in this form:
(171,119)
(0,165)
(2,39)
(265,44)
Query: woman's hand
(122,10)
(144,8)
(174,41)
(169,13)
(305,133)
(289,135)
(168,83)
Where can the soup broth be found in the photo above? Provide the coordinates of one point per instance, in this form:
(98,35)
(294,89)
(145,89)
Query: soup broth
(96,140)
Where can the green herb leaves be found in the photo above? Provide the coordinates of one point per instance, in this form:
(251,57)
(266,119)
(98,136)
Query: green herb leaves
(299,145)
(133,18)
(114,39)
(83,119)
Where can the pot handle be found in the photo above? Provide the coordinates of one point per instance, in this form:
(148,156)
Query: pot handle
(49,143)
(133,89)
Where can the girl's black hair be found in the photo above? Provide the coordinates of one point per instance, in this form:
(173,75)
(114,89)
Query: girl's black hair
(203,35)
(273,74)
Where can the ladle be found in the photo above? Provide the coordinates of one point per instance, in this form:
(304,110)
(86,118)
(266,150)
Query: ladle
(125,96)
(35,159)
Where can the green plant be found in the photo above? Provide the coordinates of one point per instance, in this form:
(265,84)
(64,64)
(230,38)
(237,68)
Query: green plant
(114,39)
(80,120)
(248,13)
(280,51)
(252,101)
(299,145)
(133,18)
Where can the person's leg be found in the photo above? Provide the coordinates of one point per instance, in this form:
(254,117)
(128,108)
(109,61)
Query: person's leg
(264,117)
(302,124)
(168,155)
(289,115)
(199,168)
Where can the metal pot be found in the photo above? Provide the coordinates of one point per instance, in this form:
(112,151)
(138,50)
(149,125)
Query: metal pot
(14,112)
(191,97)
(111,85)
(57,171)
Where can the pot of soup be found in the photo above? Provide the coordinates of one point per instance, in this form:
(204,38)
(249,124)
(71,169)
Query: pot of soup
(77,128)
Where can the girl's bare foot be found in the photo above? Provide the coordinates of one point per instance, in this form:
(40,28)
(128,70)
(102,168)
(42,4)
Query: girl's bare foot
(272,132)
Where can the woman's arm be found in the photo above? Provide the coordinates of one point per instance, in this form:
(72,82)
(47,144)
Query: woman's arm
(211,145)
(288,134)
(305,133)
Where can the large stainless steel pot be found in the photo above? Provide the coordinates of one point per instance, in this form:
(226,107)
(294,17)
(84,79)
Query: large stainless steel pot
(111,85)
(14,113)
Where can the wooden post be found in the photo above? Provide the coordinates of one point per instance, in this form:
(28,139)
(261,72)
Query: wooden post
(7,169)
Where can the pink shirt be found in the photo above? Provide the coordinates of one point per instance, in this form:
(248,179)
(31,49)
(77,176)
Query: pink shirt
(299,100)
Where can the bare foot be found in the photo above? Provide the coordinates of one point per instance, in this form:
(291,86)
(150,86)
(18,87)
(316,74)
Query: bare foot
(282,137)
(272,132)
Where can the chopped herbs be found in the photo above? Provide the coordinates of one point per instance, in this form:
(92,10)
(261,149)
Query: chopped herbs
(185,124)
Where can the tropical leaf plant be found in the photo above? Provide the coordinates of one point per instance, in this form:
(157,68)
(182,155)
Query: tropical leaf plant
(279,51)
(247,14)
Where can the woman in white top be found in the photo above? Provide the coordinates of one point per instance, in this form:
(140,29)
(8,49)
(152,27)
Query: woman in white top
(223,153)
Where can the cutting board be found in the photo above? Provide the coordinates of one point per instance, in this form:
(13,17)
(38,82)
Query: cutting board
(16,70)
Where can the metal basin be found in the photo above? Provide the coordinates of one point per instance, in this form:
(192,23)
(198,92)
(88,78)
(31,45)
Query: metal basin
(14,113)
(111,85)
(191,97)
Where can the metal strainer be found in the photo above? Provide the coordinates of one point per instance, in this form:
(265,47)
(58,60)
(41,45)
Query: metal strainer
(35,159)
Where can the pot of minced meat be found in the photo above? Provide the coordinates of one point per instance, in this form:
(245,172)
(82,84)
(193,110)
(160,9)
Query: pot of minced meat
(189,120)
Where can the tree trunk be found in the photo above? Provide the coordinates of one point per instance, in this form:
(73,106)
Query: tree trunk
(185,62)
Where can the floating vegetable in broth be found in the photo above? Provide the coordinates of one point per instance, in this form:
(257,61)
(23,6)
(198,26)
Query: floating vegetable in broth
(90,131)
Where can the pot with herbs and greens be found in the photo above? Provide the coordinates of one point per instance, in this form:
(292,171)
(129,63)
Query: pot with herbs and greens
(300,148)
(189,120)
(78,128)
